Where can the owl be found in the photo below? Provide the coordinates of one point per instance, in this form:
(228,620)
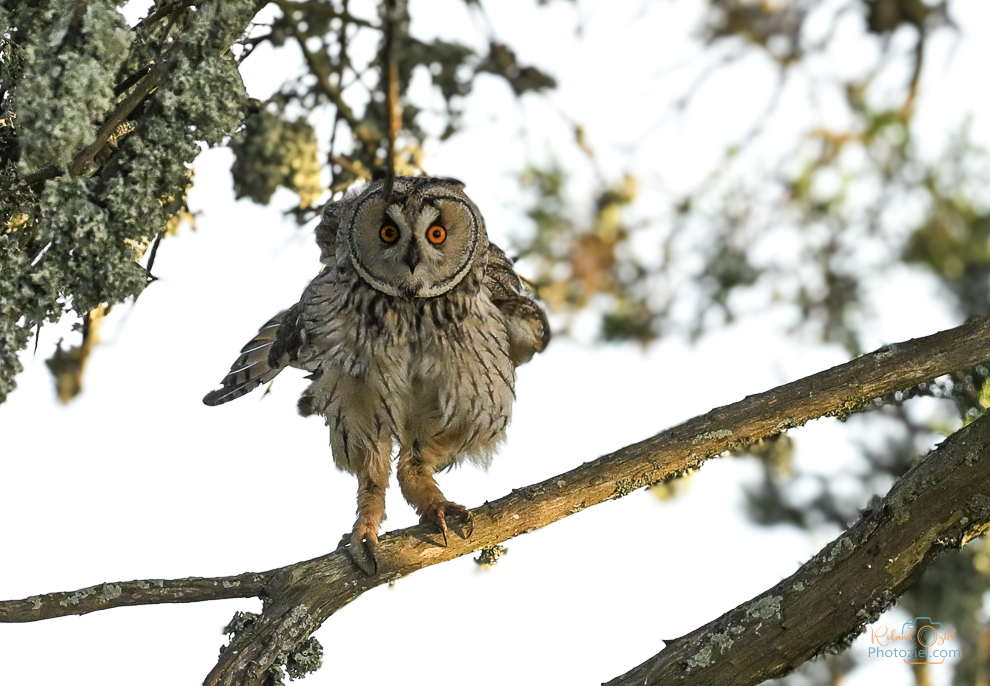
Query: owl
(411,334)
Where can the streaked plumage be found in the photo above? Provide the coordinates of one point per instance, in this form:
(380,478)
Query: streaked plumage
(411,334)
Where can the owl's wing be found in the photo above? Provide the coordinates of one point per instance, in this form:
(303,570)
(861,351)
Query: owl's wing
(276,345)
(526,323)
(326,230)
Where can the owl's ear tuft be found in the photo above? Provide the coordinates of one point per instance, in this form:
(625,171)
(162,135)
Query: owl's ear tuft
(379,173)
(455,182)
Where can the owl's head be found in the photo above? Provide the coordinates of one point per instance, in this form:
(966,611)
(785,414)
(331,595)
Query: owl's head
(420,243)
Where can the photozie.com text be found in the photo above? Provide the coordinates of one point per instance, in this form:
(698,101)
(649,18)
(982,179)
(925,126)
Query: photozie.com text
(932,644)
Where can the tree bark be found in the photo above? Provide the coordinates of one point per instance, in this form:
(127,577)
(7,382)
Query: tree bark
(942,502)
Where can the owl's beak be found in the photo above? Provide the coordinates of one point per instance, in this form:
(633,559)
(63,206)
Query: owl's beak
(412,256)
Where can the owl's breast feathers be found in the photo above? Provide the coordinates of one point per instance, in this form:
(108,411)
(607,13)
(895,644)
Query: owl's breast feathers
(452,344)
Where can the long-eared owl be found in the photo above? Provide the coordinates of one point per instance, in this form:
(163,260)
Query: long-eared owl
(411,334)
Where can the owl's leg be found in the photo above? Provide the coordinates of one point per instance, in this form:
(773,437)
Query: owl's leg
(370,514)
(419,488)
(371,462)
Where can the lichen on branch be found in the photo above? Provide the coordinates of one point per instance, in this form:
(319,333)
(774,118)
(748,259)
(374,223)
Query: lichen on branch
(95,170)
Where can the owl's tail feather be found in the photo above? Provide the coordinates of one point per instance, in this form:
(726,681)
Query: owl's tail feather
(253,368)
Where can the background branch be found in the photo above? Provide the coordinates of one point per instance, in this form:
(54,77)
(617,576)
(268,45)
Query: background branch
(943,502)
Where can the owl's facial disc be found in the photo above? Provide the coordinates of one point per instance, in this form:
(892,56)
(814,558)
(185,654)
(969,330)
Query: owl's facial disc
(415,249)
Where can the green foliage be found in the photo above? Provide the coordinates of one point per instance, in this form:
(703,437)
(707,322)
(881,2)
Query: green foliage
(271,152)
(501,60)
(952,241)
(885,16)
(76,216)
(577,263)
(70,61)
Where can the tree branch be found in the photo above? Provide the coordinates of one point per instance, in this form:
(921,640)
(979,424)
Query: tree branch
(126,593)
(334,93)
(300,597)
(148,83)
(393,108)
(943,502)
(153,76)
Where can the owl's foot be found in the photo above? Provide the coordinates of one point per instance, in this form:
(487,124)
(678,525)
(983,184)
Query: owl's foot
(363,549)
(438,512)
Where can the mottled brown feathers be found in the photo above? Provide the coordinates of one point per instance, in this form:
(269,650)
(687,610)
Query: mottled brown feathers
(526,323)
(255,366)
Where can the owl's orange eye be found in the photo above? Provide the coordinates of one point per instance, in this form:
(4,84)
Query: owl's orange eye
(436,234)
(389,233)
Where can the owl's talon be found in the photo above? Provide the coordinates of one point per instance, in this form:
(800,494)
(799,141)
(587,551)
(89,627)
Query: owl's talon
(363,551)
(437,513)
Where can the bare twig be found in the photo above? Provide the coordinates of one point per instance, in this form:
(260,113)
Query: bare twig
(165,10)
(154,254)
(393,110)
(334,93)
(907,109)
(326,9)
(359,172)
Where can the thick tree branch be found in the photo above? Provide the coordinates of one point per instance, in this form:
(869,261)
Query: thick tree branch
(300,597)
(942,502)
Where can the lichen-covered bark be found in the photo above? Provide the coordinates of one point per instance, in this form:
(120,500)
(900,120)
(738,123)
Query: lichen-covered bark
(272,152)
(124,593)
(97,169)
(71,53)
(942,503)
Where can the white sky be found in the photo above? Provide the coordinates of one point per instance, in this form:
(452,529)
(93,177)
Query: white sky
(137,479)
